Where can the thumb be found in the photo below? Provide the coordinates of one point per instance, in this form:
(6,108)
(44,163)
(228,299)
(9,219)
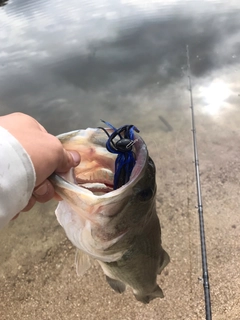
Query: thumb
(70,159)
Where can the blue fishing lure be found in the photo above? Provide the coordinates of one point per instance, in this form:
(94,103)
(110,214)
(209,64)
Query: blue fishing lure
(125,160)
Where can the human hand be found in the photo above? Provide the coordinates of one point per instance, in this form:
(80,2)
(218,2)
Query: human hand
(45,151)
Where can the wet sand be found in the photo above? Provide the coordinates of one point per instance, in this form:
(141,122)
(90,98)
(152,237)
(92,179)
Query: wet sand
(37,272)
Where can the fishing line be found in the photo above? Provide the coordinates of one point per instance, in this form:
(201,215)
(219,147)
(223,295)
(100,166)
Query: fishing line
(205,278)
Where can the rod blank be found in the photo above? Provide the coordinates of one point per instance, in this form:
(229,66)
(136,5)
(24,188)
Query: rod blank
(205,277)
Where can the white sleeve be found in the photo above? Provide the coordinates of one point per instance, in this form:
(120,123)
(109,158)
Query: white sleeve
(17,177)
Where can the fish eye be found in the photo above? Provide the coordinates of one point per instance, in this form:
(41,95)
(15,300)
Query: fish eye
(145,194)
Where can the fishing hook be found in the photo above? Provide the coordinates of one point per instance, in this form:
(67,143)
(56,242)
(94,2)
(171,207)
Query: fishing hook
(125,160)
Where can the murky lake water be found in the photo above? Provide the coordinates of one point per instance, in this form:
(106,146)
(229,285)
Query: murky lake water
(70,64)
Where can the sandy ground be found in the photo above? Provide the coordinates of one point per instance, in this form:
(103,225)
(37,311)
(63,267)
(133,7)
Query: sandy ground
(37,272)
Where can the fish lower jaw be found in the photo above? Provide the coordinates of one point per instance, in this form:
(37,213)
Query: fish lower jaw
(96,186)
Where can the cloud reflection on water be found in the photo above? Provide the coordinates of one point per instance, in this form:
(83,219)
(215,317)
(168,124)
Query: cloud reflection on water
(102,58)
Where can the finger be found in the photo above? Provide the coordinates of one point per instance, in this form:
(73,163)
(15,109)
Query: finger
(57,197)
(30,204)
(70,159)
(41,127)
(44,192)
(15,217)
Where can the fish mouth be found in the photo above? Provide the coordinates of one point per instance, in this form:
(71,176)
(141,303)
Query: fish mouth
(98,182)
(97,166)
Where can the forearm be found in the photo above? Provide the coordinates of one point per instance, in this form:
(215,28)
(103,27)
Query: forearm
(17,177)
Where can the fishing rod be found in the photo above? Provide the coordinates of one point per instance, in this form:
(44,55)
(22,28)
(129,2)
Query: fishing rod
(205,278)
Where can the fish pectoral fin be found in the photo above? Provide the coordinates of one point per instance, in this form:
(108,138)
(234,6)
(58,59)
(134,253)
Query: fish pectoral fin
(157,293)
(164,261)
(83,262)
(116,285)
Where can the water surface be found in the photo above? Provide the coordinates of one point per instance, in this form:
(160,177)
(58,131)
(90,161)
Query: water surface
(70,64)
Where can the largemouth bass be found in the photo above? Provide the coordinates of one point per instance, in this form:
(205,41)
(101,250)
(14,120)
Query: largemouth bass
(119,228)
